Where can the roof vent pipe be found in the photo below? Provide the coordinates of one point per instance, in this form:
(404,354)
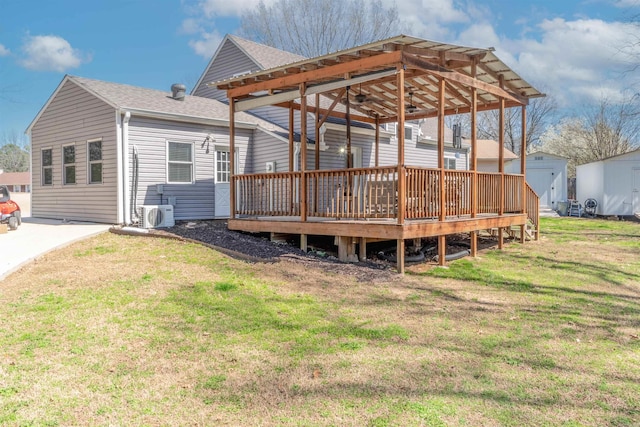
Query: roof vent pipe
(177,91)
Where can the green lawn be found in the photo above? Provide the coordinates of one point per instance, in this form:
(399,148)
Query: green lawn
(122,330)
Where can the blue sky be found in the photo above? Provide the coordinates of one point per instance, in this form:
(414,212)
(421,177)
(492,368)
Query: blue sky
(569,48)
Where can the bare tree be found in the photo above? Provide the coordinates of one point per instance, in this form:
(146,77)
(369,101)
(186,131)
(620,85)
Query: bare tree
(312,28)
(603,131)
(540,113)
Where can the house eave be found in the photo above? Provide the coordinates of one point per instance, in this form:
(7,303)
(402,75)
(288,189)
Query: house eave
(186,118)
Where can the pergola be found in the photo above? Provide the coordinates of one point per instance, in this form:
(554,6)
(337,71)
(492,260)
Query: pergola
(394,80)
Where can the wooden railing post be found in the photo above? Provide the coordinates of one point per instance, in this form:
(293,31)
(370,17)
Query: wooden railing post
(303,153)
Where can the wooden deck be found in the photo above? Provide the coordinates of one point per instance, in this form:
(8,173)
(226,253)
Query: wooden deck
(357,205)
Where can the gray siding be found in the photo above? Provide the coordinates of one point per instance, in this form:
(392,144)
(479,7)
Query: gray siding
(266,148)
(195,200)
(73,117)
(230,60)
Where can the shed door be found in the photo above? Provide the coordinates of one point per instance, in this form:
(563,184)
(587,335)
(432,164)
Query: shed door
(222,184)
(636,191)
(541,180)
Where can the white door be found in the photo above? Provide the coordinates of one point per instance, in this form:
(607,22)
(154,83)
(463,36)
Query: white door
(636,191)
(222,183)
(541,180)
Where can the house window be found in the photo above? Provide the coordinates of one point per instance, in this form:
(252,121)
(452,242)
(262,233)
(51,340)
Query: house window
(95,161)
(223,167)
(47,166)
(69,164)
(408,133)
(449,163)
(538,158)
(180,162)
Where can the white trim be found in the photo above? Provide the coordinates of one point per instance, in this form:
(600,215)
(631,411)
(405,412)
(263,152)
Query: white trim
(90,162)
(226,38)
(185,118)
(192,163)
(42,184)
(74,164)
(120,178)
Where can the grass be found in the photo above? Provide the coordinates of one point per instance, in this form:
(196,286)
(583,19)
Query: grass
(122,330)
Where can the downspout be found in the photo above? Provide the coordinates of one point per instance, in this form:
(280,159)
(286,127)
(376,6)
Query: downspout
(125,164)
(119,175)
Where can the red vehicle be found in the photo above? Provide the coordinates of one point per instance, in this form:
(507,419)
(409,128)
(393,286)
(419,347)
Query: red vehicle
(9,210)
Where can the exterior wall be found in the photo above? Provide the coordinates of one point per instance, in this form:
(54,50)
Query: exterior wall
(195,200)
(590,184)
(557,167)
(618,184)
(75,116)
(229,60)
(265,148)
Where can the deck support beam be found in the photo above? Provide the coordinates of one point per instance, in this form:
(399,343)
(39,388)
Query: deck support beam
(442,249)
(303,243)
(400,256)
(347,249)
(362,249)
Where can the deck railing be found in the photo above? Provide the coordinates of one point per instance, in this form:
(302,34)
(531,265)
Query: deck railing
(373,193)
(268,194)
(533,209)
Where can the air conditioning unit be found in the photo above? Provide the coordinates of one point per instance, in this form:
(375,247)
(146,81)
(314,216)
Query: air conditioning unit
(157,216)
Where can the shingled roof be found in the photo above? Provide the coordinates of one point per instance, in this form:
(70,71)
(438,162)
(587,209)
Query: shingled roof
(265,56)
(156,102)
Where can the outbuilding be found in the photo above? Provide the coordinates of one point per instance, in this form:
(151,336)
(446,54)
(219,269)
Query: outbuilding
(614,183)
(547,175)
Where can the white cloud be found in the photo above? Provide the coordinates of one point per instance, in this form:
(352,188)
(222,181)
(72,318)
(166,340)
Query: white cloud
(50,53)
(207,44)
(578,59)
(4,51)
(626,3)
(212,8)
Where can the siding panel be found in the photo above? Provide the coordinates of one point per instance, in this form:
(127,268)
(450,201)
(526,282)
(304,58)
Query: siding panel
(75,116)
(193,201)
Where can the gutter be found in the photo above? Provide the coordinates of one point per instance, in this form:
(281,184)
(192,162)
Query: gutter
(125,168)
(186,118)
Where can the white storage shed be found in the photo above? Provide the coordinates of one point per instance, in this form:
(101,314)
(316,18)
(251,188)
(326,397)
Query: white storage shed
(614,183)
(547,175)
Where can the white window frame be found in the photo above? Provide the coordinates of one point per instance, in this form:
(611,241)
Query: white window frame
(43,167)
(447,161)
(192,163)
(93,162)
(66,165)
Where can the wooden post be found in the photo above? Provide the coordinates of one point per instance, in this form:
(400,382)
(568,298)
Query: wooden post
(363,248)
(523,169)
(232,158)
(400,256)
(303,153)
(442,250)
(317,136)
(348,119)
(303,242)
(291,137)
(474,159)
(401,180)
(377,143)
(291,162)
(442,240)
(501,167)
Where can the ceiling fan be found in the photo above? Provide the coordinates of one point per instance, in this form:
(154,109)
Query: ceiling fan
(362,98)
(411,108)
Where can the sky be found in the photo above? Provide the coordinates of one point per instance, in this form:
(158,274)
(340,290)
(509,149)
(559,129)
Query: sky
(575,50)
